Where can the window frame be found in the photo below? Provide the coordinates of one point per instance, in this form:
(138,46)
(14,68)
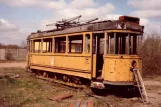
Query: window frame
(33,46)
(87,43)
(129,43)
(70,44)
(57,44)
(49,47)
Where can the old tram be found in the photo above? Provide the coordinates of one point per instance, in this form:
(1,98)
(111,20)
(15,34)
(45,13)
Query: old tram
(93,52)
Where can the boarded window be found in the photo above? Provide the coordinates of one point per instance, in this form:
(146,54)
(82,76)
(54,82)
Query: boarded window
(60,44)
(76,44)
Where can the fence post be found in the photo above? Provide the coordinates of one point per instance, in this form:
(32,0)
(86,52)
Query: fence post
(5,54)
(17,54)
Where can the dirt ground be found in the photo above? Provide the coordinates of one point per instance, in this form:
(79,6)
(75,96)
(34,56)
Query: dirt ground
(13,64)
(26,90)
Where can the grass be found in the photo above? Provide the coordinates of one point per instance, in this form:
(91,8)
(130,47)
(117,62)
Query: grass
(25,91)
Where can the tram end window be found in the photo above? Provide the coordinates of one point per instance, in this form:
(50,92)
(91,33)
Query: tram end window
(111,43)
(123,43)
(107,44)
(133,44)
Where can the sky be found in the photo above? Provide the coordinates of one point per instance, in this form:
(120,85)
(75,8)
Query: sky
(18,18)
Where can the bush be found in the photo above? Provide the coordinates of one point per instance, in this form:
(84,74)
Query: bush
(150,52)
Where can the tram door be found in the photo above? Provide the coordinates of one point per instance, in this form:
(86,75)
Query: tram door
(98,51)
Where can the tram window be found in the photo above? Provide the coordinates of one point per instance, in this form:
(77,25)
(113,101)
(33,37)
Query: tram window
(60,44)
(123,44)
(28,46)
(138,42)
(132,44)
(135,44)
(31,46)
(107,44)
(47,45)
(76,44)
(36,46)
(87,43)
(112,43)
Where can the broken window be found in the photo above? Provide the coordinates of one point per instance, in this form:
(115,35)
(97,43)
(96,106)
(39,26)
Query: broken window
(60,44)
(76,44)
(47,45)
(36,46)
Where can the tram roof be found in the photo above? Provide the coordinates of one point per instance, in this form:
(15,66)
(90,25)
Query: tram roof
(122,24)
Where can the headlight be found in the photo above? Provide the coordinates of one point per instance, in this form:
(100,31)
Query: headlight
(121,26)
(133,63)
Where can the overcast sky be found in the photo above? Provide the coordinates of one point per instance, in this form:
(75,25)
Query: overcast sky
(18,18)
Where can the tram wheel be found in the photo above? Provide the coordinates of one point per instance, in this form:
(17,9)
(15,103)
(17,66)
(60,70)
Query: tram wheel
(65,78)
(45,74)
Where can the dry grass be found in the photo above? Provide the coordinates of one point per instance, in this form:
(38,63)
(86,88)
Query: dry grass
(25,91)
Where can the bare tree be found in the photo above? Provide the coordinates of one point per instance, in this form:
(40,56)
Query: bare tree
(150,52)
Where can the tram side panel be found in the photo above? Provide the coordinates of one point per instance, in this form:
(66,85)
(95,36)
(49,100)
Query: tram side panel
(75,65)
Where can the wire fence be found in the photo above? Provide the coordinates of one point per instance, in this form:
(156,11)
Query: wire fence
(12,54)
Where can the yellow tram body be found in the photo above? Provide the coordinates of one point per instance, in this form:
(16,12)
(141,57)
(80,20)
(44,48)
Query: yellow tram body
(105,55)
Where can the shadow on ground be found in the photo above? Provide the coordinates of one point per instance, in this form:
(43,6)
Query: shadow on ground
(119,91)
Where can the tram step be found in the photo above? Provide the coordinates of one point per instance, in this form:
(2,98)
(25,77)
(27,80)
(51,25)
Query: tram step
(99,78)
